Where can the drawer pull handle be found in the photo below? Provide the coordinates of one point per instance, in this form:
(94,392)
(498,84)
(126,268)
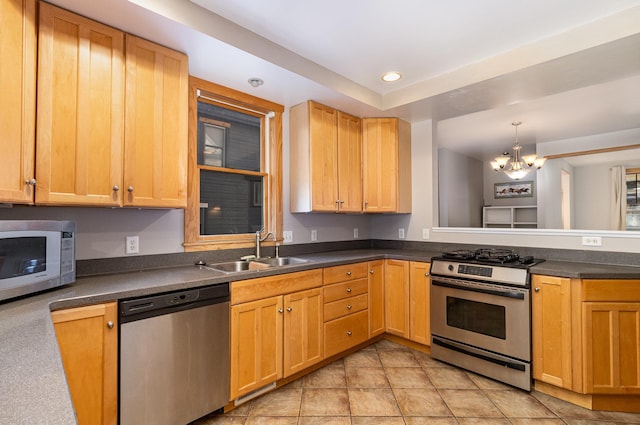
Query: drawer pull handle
(116,188)
(348,273)
(537,289)
(349,307)
(426,274)
(30,182)
(280,310)
(349,333)
(110,324)
(349,290)
(371,271)
(130,189)
(289,309)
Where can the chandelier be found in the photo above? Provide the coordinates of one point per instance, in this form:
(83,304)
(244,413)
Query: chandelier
(519,166)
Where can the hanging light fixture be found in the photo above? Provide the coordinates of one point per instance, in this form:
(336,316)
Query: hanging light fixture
(519,166)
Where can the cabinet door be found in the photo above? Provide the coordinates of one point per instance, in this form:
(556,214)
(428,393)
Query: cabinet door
(303,340)
(88,340)
(349,160)
(380,164)
(376,298)
(551,329)
(18,100)
(396,291)
(256,345)
(324,167)
(155,167)
(611,334)
(419,308)
(80,110)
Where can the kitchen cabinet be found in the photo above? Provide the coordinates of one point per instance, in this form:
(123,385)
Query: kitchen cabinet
(94,145)
(256,344)
(376,298)
(396,297)
(586,339)
(346,316)
(325,159)
(551,330)
(18,100)
(88,341)
(276,328)
(156,127)
(420,301)
(80,110)
(386,165)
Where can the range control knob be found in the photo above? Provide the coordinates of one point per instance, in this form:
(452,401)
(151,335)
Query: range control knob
(450,267)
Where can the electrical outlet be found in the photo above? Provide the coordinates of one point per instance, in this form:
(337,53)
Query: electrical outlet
(591,241)
(355,233)
(132,245)
(288,236)
(314,235)
(401,233)
(425,233)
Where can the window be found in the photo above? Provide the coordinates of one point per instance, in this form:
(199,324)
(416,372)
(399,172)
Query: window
(633,199)
(235,168)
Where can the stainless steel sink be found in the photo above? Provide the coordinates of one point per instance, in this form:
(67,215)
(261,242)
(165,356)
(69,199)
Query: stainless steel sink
(280,261)
(231,266)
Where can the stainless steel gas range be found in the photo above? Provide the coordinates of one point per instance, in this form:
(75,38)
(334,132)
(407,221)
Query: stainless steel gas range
(481,313)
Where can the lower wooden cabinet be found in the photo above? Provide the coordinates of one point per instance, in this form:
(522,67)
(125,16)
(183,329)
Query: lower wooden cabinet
(376,298)
(88,340)
(419,302)
(256,344)
(551,330)
(276,328)
(396,297)
(346,308)
(586,337)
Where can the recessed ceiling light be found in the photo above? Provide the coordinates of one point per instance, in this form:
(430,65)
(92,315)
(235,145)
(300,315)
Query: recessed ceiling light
(256,82)
(391,76)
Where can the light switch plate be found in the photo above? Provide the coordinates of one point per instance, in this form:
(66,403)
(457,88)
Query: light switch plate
(425,233)
(355,233)
(401,233)
(314,235)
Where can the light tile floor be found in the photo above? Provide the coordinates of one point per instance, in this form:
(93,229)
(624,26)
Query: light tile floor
(390,384)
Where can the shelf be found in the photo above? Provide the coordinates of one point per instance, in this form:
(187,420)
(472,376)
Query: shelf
(510,216)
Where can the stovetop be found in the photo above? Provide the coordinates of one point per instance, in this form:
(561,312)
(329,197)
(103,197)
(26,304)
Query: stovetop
(491,256)
(492,265)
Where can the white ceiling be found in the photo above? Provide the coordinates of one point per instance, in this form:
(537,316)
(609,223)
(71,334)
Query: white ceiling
(565,68)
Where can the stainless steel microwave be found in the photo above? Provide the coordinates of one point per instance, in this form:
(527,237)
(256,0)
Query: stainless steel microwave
(35,255)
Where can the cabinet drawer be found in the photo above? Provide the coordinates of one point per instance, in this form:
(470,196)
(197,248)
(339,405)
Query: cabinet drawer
(339,291)
(346,332)
(345,273)
(345,306)
(259,288)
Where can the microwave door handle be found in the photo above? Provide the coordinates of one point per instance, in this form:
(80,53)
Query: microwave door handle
(506,294)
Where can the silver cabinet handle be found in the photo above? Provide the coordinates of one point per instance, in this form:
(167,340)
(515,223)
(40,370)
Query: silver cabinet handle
(130,188)
(348,273)
(349,333)
(289,309)
(110,324)
(349,307)
(426,274)
(116,188)
(280,310)
(30,182)
(537,289)
(371,271)
(349,290)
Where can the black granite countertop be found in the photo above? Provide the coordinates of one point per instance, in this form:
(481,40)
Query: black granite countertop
(33,388)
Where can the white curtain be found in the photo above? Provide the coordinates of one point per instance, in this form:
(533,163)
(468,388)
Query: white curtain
(618,204)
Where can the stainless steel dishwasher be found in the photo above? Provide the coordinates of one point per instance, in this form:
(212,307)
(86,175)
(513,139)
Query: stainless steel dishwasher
(174,356)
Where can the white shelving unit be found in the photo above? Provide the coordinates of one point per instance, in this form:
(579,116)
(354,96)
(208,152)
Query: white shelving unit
(524,217)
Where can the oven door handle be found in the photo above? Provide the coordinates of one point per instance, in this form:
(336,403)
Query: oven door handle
(506,294)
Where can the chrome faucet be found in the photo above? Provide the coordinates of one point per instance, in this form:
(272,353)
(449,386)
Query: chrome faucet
(258,240)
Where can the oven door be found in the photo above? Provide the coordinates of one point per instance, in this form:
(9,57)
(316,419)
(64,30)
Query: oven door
(491,317)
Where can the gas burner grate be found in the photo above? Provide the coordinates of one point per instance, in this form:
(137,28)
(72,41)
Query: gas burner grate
(460,254)
(497,255)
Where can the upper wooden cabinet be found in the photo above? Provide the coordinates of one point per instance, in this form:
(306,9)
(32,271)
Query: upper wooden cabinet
(80,113)
(155,166)
(17,99)
(386,165)
(325,159)
(94,146)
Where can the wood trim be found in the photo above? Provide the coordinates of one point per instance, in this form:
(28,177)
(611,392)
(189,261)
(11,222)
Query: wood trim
(593,151)
(271,164)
